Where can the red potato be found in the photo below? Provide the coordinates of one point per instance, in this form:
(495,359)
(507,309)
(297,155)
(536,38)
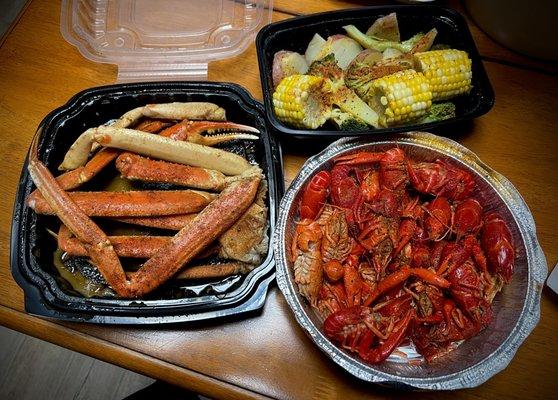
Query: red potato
(287,63)
(385,28)
(391,53)
(425,43)
(343,48)
(368,57)
(314,48)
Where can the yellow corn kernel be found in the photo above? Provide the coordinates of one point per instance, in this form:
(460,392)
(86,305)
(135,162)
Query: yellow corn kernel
(448,72)
(300,101)
(401,97)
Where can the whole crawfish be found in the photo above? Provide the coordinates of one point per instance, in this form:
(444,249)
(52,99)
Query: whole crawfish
(438,220)
(497,243)
(315,195)
(468,217)
(373,335)
(441,179)
(467,288)
(383,189)
(307,257)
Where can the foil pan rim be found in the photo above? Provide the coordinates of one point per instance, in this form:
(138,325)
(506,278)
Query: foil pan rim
(537,269)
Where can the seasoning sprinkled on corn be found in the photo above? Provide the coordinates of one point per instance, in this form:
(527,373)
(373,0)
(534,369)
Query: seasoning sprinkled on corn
(300,101)
(448,72)
(401,97)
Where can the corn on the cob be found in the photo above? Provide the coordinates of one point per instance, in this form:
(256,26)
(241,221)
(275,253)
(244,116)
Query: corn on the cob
(302,101)
(448,72)
(401,97)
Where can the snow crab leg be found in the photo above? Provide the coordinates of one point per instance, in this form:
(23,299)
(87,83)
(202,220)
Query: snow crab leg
(169,222)
(210,271)
(136,167)
(124,246)
(245,241)
(77,177)
(208,225)
(216,218)
(156,146)
(97,244)
(131,204)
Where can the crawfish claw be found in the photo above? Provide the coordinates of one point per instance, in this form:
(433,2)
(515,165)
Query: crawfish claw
(364,157)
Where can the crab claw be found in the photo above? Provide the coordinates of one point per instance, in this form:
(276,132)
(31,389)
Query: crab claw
(208,133)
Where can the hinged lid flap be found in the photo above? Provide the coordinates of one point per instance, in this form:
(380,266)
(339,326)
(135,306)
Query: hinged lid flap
(163,39)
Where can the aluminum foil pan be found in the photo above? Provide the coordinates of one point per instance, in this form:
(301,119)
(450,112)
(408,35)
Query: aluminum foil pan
(516,308)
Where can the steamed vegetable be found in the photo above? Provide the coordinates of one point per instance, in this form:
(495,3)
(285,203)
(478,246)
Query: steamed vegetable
(390,53)
(366,68)
(345,98)
(385,28)
(302,101)
(287,63)
(448,72)
(342,47)
(439,112)
(401,97)
(390,82)
(425,42)
(314,48)
(370,42)
(346,122)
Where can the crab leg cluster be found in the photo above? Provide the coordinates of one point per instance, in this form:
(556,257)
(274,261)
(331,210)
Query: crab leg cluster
(181,157)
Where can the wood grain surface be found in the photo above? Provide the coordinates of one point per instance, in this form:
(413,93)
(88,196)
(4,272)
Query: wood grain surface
(34,369)
(267,354)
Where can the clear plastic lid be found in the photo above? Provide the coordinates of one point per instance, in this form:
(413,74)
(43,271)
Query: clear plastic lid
(163,39)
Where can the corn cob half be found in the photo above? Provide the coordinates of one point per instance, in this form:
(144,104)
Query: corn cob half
(302,101)
(400,97)
(448,72)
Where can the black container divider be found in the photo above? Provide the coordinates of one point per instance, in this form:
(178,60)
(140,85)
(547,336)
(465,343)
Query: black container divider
(294,34)
(31,246)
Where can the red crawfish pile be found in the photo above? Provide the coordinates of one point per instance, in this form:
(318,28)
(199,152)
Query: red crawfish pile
(390,250)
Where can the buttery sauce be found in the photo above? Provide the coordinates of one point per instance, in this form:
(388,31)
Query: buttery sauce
(84,285)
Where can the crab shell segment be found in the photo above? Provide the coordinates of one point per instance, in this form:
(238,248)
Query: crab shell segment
(189,110)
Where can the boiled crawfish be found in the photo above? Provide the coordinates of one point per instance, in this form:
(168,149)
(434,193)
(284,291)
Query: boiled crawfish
(307,257)
(398,249)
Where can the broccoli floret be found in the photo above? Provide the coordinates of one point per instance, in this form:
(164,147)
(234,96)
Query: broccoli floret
(326,67)
(439,112)
(347,122)
(354,124)
(345,98)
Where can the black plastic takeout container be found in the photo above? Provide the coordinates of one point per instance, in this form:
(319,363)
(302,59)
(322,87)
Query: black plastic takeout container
(294,34)
(31,245)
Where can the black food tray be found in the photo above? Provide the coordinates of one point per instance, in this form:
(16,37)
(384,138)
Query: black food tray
(294,34)
(31,246)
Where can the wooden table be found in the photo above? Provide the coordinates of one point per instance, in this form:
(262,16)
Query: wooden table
(269,354)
